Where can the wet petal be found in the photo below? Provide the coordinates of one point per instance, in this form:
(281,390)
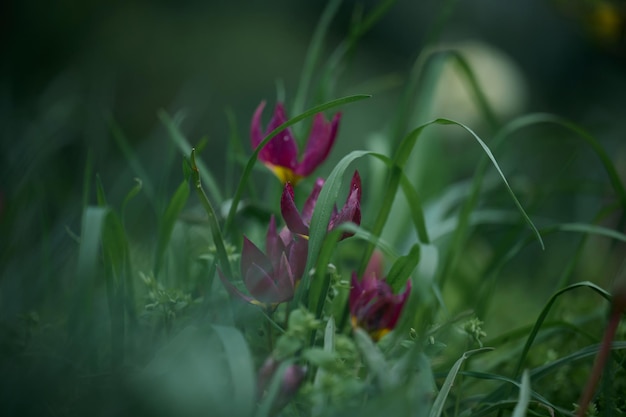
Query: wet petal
(320,142)
(290,212)
(256,133)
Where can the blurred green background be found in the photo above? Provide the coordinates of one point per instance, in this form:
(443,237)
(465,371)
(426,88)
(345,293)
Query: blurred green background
(73,72)
(74,75)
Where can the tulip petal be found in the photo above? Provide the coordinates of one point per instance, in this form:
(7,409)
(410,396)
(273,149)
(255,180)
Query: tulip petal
(351,211)
(274,245)
(256,134)
(261,285)
(297,254)
(284,280)
(355,293)
(251,255)
(282,150)
(320,142)
(290,212)
(309,204)
(232,290)
(374,266)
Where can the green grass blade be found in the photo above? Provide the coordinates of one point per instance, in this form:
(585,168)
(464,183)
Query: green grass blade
(250,165)
(502,176)
(185,147)
(374,358)
(583,353)
(524,397)
(87,179)
(544,313)
(332,67)
(175,206)
(417,212)
(100,194)
(117,258)
(440,400)
(481,100)
(313,54)
(404,151)
(329,346)
(402,269)
(214,226)
(131,158)
(241,368)
(80,328)
(129,196)
(594,144)
(493,377)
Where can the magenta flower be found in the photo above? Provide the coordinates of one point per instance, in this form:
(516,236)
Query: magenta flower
(299,223)
(271,278)
(280,154)
(373,306)
(292,379)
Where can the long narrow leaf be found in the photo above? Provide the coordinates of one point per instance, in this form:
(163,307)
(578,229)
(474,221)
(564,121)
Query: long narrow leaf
(313,54)
(524,396)
(241,369)
(175,206)
(185,147)
(440,400)
(544,314)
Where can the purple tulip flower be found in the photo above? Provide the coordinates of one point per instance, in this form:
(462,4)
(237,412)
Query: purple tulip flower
(280,154)
(299,222)
(271,278)
(373,306)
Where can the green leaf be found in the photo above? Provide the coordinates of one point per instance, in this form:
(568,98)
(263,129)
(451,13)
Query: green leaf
(313,54)
(203,370)
(175,206)
(402,154)
(131,158)
(117,274)
(373,358)
(130,195)
(100,194)
(185,147)
(440,400)
(524,397)
(87,272)
(241,369)
(216,233)
(403,268)
(544,313)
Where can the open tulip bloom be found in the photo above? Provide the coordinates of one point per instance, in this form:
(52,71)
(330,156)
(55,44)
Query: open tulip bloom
(280,154)
(270,278)
(299,222)
(373,305)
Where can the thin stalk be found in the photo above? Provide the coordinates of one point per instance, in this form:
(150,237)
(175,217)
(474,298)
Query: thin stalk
(218,241)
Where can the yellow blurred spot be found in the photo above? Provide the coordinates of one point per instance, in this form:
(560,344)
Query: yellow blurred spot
(376,335)
(605,21)
(285,174)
